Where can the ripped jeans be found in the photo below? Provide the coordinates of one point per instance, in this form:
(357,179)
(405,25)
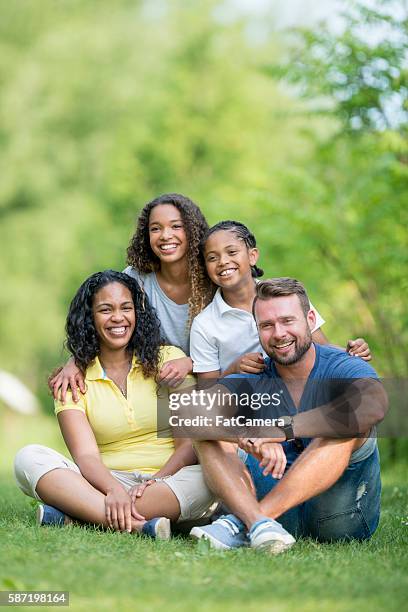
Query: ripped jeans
(350,509)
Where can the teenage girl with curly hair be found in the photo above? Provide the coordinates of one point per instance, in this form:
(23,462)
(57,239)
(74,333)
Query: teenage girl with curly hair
(164,256)
(112,431)
(146,256)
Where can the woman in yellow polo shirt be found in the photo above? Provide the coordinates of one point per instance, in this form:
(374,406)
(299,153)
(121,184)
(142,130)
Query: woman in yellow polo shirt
(125,475)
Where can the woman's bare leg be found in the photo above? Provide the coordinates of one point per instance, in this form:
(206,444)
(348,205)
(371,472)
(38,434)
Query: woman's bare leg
(158,500)
(75,496)
(72,494)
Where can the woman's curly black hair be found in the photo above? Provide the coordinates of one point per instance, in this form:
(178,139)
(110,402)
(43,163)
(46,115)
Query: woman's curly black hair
(141,257)
(82,339)
(241,232)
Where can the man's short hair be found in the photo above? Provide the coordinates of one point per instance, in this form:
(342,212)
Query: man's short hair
(279,287)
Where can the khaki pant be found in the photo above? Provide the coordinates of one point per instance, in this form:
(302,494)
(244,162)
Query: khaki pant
(188,485)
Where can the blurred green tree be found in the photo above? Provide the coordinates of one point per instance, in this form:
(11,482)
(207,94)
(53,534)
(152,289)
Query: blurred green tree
(102,110)
(351,196)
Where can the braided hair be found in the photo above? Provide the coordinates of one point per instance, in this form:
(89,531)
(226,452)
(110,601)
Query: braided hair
(82,339)
(242,233)
(141,257)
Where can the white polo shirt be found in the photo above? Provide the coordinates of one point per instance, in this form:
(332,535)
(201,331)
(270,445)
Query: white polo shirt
(220,334)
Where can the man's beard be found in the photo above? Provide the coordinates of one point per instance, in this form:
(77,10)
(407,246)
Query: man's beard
(300,350)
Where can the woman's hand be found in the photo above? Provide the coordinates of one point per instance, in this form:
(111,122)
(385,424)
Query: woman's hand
(174,372)
(359,348)
(70,376)
(118,508)
(136,492)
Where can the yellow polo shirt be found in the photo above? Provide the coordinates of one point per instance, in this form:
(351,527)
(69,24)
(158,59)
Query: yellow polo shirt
(125,429)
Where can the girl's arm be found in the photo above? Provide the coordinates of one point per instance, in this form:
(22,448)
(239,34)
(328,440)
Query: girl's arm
(175,371)
(358,347)
(319,337)
(253,363)
(67,378)
(202,375)
(250,363)
(81,443)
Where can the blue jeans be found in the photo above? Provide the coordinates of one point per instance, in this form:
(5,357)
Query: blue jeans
(350,509)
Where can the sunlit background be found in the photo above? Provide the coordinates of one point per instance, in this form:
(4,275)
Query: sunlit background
(105,105)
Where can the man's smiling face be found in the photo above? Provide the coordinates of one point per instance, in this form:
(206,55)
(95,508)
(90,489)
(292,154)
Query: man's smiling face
(284,330)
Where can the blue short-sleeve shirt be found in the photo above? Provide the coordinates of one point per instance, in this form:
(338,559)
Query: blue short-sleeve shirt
(331,371)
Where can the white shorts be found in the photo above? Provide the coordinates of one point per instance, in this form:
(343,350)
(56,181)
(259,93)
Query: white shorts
(188,485)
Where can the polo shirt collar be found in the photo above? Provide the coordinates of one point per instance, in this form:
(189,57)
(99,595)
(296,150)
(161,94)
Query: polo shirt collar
(220,303)
(96,371)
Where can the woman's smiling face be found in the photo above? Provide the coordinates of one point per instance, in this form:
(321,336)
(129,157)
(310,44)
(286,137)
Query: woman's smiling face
(114,316)
(167,235)
(228,259)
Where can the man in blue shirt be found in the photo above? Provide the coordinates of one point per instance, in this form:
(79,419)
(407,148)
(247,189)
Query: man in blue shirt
(331,487)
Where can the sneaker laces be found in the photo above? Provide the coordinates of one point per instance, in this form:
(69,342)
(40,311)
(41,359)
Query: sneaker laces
(230,525)
(266,525)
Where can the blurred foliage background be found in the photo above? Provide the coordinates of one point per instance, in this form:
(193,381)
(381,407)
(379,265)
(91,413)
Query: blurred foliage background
(106,104)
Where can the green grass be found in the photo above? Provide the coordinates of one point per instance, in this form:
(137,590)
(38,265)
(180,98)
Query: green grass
(109,571)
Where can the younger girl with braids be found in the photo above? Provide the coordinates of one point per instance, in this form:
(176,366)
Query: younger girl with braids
(224,337)
(164,257)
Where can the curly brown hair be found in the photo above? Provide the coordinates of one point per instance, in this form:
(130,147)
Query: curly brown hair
(141,257)
(82,339)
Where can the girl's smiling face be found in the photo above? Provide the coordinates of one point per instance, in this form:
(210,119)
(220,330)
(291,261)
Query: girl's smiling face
(167,235)
(228,259)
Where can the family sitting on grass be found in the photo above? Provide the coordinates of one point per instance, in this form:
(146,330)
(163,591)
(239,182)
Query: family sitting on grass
(129,334)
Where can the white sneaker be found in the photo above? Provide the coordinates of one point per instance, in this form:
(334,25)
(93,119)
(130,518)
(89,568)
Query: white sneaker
(269,534)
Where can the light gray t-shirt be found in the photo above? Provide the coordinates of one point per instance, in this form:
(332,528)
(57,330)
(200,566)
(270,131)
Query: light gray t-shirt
(173,317)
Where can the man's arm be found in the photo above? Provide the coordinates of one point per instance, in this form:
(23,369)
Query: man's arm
(358,347)
(359,404)
(351,414)
(363,404)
